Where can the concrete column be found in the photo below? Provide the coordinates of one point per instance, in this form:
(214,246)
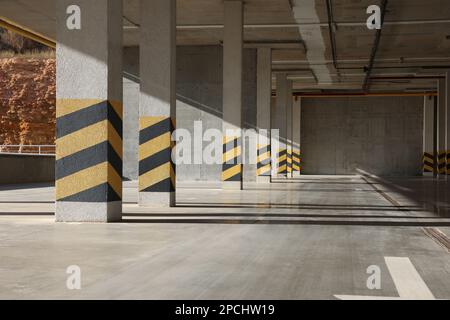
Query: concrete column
(296,140)
(264,96)
(89,111)
(447,103)
(157,105)
(279,121)
(232,94)
(428,136)
(442,119)
(289,128)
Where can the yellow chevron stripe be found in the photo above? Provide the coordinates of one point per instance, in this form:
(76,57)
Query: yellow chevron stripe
(263,157)
(154,146)
(115,140)
(227,174)
(118,107)
(82,139)
(68,106)
(428,168)
(281,159)
(228,139)
(296,167)
(87,179)
(289,160)
(281,169)
(296,159)
(232,154)
(146,122)
(263,170)
(154,176)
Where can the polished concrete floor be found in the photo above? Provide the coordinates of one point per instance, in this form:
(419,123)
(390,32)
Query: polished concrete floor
(307,238)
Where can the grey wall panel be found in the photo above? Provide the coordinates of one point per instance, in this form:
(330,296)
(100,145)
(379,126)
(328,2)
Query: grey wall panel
(381,135)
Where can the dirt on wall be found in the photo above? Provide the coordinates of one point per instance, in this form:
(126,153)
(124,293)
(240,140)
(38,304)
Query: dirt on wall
(27,101)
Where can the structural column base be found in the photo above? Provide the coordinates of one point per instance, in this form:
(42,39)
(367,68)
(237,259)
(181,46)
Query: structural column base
(88,211)
(157,199)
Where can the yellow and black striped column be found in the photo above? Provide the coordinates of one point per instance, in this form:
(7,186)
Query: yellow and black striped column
(289,162)
(428,162)
(88,160)
(448,162)
(264,161)
(157,171)
(232,160)
(442,162)
(282,162)
(296,161)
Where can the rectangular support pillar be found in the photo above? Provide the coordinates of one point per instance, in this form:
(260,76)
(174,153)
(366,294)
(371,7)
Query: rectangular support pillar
(89,111)
(296,153)
(428,136)
(232,94)
(289,127)
(442,120)
(264,96)
(157,105)
(279,121)
(447,126)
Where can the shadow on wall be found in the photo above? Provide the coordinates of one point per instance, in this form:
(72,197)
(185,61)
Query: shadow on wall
(199,98)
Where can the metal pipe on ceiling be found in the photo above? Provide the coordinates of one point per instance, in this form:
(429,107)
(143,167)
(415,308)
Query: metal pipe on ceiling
(376,44)
(332,35)
(296,25)
(362,94)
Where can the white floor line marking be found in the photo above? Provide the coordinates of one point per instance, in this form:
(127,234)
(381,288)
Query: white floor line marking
(407,280)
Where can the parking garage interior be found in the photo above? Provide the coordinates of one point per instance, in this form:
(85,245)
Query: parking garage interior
(358,172)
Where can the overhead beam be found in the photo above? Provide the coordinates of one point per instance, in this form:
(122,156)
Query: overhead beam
(27,33)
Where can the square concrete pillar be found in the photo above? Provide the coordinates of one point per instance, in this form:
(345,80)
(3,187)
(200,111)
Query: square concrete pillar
(447,126)
(264,96)
(279,122)
(157,104)
(428,136)
(89,111)
(296,122)
(232,94)
(442,122)
(289,127)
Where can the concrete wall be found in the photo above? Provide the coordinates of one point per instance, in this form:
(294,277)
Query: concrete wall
(199,98)
(381,135)
(26,168)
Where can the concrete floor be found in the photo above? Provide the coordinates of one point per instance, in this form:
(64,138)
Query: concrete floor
(308,238)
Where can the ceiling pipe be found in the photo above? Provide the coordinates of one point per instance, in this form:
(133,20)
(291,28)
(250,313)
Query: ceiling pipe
(332,35)
(364,94)
(407,77)
(296,25)
(366,85)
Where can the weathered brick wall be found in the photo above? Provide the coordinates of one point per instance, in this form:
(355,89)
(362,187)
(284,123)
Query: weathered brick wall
(27,101)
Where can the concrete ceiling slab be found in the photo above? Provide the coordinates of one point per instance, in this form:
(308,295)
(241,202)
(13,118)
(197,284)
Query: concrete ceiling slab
(416,33)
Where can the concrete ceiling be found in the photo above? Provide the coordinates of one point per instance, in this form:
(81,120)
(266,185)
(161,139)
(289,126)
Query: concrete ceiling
(414,35)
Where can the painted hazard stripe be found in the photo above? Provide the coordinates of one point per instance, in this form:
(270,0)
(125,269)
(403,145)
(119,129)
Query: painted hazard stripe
(157,172)
(232,152)
(442,162)
(428,162)
(282,161)
(88,150)
(296,162)
(448,162)
(264,161)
